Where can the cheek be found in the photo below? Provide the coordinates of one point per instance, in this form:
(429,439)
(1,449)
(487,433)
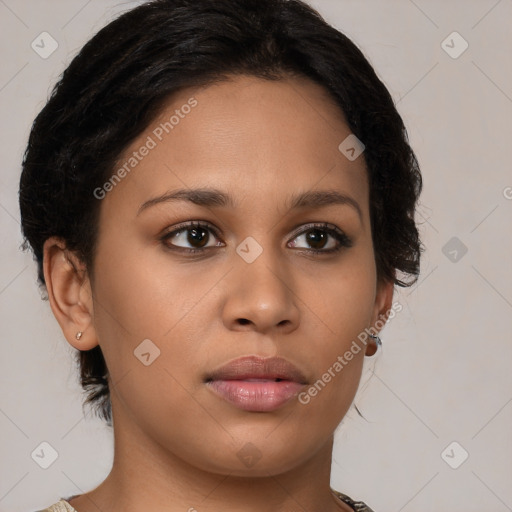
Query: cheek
(141,307)
(140,295)
(343,298)
(137,294)
(337,356)
(340,310)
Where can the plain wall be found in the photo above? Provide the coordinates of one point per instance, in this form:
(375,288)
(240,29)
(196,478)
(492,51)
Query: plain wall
(444,372)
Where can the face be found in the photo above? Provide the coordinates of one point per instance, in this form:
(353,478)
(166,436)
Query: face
(257,274)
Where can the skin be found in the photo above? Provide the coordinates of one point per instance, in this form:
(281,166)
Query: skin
(176,442)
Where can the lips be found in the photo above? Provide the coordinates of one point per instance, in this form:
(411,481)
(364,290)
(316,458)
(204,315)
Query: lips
(256,384)
(254,367)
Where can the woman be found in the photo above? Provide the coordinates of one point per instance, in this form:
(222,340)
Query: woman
(220,196)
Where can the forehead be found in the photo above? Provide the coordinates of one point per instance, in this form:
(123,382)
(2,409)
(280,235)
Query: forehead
(254,138)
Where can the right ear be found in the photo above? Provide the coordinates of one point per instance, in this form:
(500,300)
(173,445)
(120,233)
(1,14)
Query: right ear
(69,293)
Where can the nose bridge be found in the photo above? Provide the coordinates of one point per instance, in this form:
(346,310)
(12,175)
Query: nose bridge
(261,293)
(266,273)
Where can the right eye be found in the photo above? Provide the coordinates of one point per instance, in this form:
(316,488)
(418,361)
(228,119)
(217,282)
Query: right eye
(196,234)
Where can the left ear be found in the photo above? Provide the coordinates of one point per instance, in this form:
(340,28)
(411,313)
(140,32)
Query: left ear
(381,308)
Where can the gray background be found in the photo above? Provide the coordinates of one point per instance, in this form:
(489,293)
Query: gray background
(444,374)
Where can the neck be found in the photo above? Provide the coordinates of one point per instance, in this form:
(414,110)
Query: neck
(145,475)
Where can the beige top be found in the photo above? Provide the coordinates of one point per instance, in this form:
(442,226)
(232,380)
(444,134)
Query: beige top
(60,506)
(357,506)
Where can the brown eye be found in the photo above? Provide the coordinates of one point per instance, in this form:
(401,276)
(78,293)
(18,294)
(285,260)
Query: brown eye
(197,236)
(192,237)
(321,238)
(316,238)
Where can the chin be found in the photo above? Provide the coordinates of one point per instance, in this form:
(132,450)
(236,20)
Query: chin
(259,458)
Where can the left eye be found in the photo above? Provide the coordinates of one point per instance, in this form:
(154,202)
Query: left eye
(317,238)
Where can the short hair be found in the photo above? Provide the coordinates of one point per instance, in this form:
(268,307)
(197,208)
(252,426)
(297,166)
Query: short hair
(117,84)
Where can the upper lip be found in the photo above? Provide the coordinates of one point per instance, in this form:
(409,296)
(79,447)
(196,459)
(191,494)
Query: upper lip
(255,367)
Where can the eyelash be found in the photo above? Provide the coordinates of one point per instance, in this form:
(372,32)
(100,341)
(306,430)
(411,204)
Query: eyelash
(343,240)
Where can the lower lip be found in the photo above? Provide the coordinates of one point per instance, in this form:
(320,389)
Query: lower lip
(257,396)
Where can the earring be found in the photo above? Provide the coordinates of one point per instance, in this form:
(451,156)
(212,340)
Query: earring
(78,335)
(378,341)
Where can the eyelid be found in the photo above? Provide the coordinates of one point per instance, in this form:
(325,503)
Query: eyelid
(316,225)
(182,226)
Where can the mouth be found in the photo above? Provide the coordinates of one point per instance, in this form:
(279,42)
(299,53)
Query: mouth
(256,384)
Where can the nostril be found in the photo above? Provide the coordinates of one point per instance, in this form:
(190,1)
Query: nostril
(244,321)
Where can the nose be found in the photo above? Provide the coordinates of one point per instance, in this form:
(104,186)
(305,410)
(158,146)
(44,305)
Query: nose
(260,296)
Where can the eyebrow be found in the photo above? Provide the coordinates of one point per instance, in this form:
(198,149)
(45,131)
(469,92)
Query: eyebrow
(209,197)
(321,198)
(212,197)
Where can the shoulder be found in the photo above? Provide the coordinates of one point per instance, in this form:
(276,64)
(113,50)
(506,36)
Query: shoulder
(358,506)
(61,506)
